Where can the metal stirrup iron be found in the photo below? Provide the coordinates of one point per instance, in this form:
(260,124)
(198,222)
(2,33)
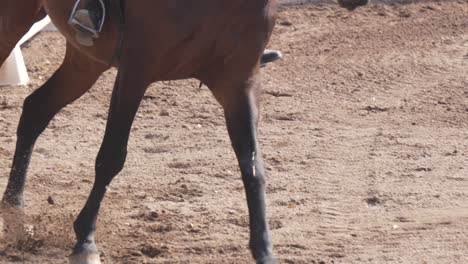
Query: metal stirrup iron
(85,28)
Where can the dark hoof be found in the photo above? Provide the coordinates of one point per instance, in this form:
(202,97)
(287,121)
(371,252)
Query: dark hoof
(85,254)
(267,260)
(352,4)
(270,56)
(85,258)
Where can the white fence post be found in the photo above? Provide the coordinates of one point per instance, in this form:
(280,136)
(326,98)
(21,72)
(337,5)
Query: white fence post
(13,71)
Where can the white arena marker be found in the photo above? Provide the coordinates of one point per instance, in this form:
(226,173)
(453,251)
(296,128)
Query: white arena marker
(13,71)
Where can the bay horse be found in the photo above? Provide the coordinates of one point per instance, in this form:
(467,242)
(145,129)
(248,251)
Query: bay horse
(218,42)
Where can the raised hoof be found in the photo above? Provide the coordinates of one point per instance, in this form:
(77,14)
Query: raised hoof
(267,260)
(85,258)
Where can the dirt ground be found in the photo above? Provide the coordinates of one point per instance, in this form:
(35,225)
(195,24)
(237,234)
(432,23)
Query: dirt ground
(364,130)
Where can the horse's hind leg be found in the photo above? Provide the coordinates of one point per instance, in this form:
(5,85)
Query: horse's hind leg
(241,111)
(74,77)
(128,92)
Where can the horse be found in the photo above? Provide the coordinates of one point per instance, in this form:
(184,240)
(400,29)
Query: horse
(220,43)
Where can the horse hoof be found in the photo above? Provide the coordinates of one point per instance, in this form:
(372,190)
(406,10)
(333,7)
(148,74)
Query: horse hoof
(267,260)
(13,226)
(85,258)
(270,56)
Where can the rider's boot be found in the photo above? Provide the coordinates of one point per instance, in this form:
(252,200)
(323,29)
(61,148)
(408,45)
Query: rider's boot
(86,22)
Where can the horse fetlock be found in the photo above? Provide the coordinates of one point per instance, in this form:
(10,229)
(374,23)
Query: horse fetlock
(12,201)
(84,231)
(262,249)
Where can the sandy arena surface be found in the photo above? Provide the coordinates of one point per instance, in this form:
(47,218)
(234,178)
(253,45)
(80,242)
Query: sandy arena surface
(364,130)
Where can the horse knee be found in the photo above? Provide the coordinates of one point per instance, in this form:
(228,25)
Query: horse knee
(109,164)
(31,124)
(253,182)
(253,173)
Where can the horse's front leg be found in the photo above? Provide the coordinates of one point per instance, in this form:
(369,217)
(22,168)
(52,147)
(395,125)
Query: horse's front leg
(127,94)
(241,111)
(75,76)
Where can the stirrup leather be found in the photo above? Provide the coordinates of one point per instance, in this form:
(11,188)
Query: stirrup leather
(77,24)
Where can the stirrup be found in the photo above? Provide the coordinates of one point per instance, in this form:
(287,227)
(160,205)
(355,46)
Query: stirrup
(86,29)
(83,27)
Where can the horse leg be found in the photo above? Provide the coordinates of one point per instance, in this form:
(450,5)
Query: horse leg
(74,77)
(127,94)
(241,111)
